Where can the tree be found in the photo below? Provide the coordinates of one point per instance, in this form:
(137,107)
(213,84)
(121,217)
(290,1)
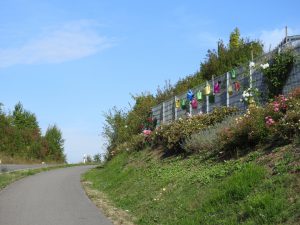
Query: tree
(140,112)
(24,119)
(97,158)
(55,143)
(88,159)
(236,53)
(26,133)
(115,128)
(234,39)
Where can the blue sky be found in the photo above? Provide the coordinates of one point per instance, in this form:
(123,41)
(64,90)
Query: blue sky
(70,61)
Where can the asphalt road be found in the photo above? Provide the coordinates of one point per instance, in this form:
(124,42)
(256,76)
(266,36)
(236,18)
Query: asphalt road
(14,167)
(49,198)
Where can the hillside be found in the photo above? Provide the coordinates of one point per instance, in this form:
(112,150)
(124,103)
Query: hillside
(229,166)
(260,188)
(219,168)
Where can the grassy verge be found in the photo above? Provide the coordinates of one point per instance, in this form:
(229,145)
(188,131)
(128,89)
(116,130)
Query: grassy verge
(261,188)
(10,177)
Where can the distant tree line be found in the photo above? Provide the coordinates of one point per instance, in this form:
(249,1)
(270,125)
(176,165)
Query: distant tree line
(121,125)
(21,137)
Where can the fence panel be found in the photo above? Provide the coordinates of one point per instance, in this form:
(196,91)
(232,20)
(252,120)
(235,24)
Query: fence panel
(167,111)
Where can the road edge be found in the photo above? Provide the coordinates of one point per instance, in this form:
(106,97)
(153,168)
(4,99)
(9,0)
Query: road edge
(105,206)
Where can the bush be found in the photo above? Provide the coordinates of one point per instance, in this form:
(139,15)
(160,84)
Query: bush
(248,131)
(276,124)
(207,141)
(137,142)
(286,115)
(276,75)
(172,136)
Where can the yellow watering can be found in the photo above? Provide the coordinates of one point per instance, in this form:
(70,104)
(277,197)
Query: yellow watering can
(207,89)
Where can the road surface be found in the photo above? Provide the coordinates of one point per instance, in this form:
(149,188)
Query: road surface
(49,198)
(14,167)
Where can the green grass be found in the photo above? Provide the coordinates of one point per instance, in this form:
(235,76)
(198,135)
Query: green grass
(8,178)
(193,191)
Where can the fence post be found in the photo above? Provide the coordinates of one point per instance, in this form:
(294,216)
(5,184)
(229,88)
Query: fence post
(191,109)
(207,100)
(163,112)
(250,77)
(227,85)
(175,99)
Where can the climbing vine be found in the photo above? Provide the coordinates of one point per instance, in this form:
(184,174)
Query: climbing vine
(278,71)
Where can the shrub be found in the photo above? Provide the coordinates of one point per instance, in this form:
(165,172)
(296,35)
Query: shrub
(206,140)
(278,71)
(277,123)
(172,136)
(286,114)
(245,133)
(137,142)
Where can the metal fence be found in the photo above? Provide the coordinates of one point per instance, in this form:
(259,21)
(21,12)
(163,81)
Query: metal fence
(167,111)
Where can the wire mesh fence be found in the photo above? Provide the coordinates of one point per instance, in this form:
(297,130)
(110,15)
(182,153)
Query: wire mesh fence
(229,93)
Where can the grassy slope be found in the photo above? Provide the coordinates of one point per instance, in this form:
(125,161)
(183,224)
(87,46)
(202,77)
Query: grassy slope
(257,189)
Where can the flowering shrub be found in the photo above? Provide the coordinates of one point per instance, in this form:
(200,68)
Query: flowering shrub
(249,95)
(172,136)
(265,66)
(286,114)
(247,131)
(149,124)
(224,133)
(147,132)
(275,124)
(269,121)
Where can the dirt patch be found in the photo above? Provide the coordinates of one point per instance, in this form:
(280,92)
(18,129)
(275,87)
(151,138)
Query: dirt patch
(116,215)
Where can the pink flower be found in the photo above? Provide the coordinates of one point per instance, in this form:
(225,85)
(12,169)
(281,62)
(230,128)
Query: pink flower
(283,98)
(269,120)
(276,104)
(147,132)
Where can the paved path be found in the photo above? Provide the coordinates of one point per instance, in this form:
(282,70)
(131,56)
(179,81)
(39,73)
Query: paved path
(14,167)
(49,198)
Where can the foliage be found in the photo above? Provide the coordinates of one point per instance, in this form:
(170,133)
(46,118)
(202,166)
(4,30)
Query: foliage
(140,112)
(237,53)
(280,66)
(115,129)
(206,141)
(97,158)
(285,113)
(136,142)
(234,39)
(250,96)
(88,159)
(172,136)
(24,119)
(121,126)
(21,138)
(164,93)
(248,131)
(197,191)
(276,124)
(55,143)
(218,62)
